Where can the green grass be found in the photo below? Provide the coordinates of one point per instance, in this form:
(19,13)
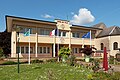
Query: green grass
(52,71)
(46,71)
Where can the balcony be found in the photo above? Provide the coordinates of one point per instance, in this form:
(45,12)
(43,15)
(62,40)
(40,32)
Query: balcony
(50,39)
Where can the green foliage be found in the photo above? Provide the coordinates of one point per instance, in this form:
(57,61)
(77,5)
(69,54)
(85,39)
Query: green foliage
(53,71)
(51,60)
(9,63)
(96,65)
(46,71)
(37,61)
(64,51)
(111,60)
(72,60)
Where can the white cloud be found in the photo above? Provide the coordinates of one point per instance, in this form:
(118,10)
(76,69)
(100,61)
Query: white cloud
(47,16)
(72,13)
(83,17)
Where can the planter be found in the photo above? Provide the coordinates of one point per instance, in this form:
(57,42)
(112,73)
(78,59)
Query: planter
(64,58)
(87,58)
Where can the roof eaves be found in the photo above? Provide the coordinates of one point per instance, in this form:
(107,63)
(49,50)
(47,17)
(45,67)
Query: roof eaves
(78,26)
(29,19)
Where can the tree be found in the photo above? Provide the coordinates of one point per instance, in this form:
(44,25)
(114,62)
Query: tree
(5,42)
(87,50)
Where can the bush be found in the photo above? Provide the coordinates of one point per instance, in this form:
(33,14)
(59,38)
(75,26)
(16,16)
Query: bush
(91,59)
(111,60)
(9,63)
(64,53)
(37,61)
(51,60)
(72,60)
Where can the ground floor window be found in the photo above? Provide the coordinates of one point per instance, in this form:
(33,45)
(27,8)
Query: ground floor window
(43,50)
(75,50)
(24,49)
(27,49)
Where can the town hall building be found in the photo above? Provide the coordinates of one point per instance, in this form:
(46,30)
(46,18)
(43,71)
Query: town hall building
(42,45)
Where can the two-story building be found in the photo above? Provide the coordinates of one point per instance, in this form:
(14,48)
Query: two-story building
(41,43)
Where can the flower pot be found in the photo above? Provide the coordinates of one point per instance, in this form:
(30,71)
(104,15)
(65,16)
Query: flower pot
(64,58)
(87,59)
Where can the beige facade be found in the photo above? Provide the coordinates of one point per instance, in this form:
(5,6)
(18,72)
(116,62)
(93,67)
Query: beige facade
(44,45)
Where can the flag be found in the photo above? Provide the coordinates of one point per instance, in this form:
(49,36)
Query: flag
(105,60)
(27,33)
(87,35)
(54,32)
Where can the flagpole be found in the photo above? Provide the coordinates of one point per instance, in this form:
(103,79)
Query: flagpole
(29,49)
(90,40)
(54,47)
(58,43)
(82,42)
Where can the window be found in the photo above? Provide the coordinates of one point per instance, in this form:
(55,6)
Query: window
(27,49)
(75,50)
(44,49)
(72,50)
(48,49)
(41,50)
(64,33)
(76,35)
(102,46)
(115,46)
(79,50)
(22,49)
(31,49)
(42,31)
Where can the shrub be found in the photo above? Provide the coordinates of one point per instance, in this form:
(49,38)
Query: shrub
(64,53)
(51,60)
(91,59)
(111,60)
(96,65)
(72,60)
(37,61)
(9,63)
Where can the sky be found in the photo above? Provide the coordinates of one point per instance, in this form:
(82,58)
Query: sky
(78,12)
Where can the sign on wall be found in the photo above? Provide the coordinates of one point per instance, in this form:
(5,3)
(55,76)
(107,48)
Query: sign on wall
(63,24)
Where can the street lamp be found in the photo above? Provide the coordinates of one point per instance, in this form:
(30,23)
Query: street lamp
(18,52)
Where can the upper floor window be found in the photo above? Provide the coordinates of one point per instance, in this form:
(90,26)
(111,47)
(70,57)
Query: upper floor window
(115,46)
(24,29)
(76,35)
(62,33)
(42,31)
(102,46)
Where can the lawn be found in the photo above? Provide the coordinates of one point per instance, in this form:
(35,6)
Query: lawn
(52,71)
(46,71)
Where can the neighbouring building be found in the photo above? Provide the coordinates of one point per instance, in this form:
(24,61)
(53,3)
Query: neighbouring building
(43,45)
